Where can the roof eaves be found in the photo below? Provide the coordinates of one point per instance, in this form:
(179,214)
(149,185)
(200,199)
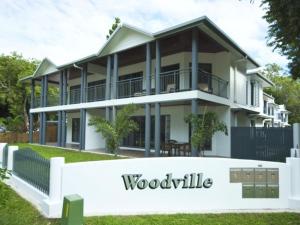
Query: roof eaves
(224,36)
(179,27)
(262,77)
(206,21)
(26,78)
(78,61)
(137,29)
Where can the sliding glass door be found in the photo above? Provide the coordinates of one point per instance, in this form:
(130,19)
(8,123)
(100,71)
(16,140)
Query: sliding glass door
(137,138)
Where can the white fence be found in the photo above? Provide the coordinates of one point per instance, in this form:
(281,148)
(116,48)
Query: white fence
(167,185)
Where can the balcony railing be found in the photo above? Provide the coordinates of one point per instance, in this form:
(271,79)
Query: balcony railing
(74,96)
(130,88)
(96,93)
(171,81)
(212,84)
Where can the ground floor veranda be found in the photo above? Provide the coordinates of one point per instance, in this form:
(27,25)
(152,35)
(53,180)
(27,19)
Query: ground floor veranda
(173,129)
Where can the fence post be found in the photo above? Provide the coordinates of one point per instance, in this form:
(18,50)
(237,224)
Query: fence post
(294,164)
(296,135)
(10,157)
(56,165)
(2,145)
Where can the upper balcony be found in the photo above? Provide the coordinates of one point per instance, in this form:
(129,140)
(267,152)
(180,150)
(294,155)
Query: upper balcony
(170,82)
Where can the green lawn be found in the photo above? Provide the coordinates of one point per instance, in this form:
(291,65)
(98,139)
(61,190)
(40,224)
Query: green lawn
(17,211)
(70,155)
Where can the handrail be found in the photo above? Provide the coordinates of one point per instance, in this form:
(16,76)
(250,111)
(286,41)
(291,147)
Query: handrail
(128,80)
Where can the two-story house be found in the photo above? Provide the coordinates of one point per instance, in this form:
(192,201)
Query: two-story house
(189,68)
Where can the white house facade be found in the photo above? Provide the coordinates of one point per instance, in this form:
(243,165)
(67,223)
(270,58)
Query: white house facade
(189,68)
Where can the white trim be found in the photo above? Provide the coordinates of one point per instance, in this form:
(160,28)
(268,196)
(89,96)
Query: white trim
(161,98)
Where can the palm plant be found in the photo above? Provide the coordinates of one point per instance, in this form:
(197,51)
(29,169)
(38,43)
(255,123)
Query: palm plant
(204,127)
(114,131)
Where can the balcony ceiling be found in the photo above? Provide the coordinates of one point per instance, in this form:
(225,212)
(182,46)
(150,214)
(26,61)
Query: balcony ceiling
(169,45)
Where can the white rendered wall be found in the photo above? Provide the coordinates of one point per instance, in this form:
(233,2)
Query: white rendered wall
(104,192)
(93,140)
(240,86)
(242,119)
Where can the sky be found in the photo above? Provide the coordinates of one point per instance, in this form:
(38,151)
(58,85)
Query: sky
(66,30)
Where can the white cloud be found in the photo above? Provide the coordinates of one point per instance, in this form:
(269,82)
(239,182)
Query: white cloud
(66,30)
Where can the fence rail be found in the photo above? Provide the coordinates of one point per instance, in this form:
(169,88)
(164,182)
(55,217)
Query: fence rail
(33,168)
(261,143)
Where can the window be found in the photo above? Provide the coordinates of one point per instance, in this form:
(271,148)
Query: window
(247,94)
(75,129)
(252,85)
(137,139)
(131,76)
(252,123)
(265,108)
(96,83)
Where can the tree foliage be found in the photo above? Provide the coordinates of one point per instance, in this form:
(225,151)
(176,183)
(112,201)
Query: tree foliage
(113,27)
(285,91)
(204,127)
(284,30)
(14,94)
(114,131)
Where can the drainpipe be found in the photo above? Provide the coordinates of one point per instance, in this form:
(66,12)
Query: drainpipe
(78,67)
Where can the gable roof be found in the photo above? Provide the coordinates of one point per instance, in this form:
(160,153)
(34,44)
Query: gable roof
(124,37)
(45,67)
(127,36)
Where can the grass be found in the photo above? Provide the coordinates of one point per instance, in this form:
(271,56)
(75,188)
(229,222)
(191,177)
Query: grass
(70,155)
(17,211)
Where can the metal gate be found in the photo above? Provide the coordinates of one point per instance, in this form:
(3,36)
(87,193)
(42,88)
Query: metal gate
(261,143)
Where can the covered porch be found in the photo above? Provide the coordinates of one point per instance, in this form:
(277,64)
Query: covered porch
(173,133)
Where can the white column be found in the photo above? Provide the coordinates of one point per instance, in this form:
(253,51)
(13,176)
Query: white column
(2,145)
(296,135)
(294,165)
(56,165)
(10,158)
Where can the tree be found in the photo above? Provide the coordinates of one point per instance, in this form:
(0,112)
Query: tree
(14,94)
(285,91)
(205,126)
(114,132)
(284,30)
(113,27)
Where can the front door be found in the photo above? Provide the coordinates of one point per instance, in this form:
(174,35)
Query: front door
(75,129)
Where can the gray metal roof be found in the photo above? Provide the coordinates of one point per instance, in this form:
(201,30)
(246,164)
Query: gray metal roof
(171,30)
